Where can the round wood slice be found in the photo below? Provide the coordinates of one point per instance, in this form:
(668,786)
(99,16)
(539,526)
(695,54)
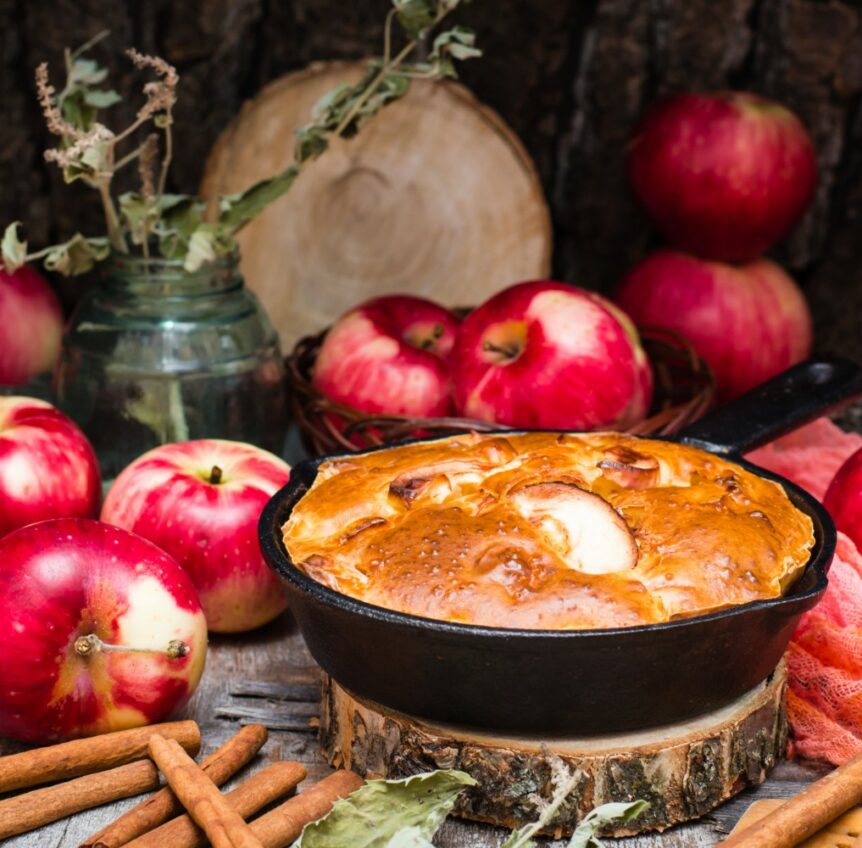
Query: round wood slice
(683,770)
(436,197)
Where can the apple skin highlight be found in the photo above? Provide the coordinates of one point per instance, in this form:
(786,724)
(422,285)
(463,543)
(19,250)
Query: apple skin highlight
(70,578)
(547,355)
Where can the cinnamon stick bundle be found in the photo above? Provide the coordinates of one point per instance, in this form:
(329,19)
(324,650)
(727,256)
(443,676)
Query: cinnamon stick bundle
(806,813)
(281,826)
(95,753)
(43,806)
(223,825)
(219,766)
(260,789)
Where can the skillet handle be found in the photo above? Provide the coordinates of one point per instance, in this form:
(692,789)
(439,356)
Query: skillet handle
(804,392)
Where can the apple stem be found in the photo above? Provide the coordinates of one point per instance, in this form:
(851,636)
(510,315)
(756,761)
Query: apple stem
(508,352)
(436,332)
(215,475)
(86,645)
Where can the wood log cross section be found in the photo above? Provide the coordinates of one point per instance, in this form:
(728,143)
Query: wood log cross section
(683,770)
(436,197)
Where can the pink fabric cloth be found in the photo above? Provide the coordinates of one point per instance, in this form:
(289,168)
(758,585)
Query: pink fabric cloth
(825,654)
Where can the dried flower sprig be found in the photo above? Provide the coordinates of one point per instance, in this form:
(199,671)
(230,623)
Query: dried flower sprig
(178,225)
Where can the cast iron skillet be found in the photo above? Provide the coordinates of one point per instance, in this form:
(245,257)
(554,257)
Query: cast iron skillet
(583,681)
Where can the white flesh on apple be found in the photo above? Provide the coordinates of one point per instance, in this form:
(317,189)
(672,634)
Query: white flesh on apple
(587,532)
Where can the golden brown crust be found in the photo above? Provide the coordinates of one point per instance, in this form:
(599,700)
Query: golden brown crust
(504,531)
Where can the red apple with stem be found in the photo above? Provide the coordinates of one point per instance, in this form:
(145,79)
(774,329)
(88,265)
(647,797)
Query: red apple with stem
(749,322)
(843,498)
(200,501)
(99,630)
(548,355)
(32,324)
(47,467)
(389,355)
(722,175)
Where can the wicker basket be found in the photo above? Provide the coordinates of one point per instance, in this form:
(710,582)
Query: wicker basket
(684,390)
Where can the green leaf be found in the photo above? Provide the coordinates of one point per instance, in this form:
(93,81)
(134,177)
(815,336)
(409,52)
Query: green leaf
(236,210)
(77,111)
(138,213)
(311,141)
(181,215)
(456,43)
(206,244)
(330,102)
(586,833)
(378,814)
(101,99)
(78,255)
(415,16)
(12,249)
(86,72)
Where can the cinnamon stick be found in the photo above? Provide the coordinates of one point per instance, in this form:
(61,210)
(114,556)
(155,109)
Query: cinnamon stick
(281,826)
(95,753)
(806,813)
(43,806)
(252,795)
(223,825)
(163,805)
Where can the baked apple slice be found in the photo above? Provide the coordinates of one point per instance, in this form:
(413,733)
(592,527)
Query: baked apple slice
(585,530)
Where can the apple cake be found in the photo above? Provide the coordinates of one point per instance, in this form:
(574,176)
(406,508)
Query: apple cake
(548,531)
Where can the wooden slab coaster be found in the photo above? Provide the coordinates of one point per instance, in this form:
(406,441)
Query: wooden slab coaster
(435,197)
(683,770)
(844,832)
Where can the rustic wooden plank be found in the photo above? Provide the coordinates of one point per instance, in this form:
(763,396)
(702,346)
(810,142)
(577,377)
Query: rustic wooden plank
(275,659)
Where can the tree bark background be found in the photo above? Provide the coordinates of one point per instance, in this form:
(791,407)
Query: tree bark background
(570,76)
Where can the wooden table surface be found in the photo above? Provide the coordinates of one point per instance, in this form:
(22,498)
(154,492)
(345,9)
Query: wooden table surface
(242,671)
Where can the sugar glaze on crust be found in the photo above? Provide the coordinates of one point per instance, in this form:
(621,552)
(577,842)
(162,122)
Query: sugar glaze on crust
(548,531)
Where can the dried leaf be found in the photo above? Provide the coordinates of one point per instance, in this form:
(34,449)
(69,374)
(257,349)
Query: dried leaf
(378,814)
(236,210)
(206,244)
(12,249)
(78,255)
(586,833)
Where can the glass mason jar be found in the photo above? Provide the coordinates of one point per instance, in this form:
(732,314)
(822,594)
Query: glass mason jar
(155,354)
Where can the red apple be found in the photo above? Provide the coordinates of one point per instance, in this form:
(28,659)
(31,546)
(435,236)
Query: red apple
(47,467)
(749,322)
(389,355)
(99,631)
(548,355)
(32,324)
(843,498)
(200,501)
(722,175)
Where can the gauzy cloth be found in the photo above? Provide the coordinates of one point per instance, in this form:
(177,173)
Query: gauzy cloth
(824,701)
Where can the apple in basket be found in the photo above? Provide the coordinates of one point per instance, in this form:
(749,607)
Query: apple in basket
(749,321)
(32,324)
(548,355)
(389,355)
(200,501)
(47,467)
(99,630)
(722,175)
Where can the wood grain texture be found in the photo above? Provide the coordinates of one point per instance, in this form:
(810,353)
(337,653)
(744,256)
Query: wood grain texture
(277,655)
(683,771)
